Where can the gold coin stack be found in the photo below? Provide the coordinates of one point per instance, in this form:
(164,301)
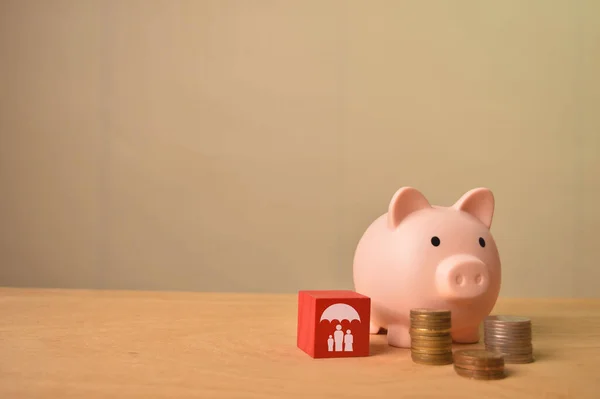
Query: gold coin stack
(479,364)
(430,338)
(509,335)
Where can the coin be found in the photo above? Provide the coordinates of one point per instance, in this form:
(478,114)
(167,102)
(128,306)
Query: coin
(508,351)
(511,348)
(479,364)
(430,311)
(431,320)
(478,355)
(508,343)
(510,336)
(506,330)
(476,367)
(487,375)
(430,325)
(500,330)
(430,317)
(430,329)
(437,313)
(513,357)
(438,361)
(425,331)
(506,336)
(427,346)
(514,329)
(418,343)
(513,326)
(430,351)
(480,372)
(507,319)
(432,360)
(432,363)
(439,337)
(507,339)
(431,342)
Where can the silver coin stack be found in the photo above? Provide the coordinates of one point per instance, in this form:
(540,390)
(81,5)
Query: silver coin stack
(510,336)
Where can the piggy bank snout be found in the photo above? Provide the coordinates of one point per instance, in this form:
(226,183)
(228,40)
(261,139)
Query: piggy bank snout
(462,276)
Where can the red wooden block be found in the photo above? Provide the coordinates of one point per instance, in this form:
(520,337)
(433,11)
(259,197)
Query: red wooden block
(333,323)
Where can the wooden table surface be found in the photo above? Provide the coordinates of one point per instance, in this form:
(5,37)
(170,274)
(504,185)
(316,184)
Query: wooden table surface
(114,344)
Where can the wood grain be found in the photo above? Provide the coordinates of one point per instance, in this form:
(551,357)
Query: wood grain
(119,344)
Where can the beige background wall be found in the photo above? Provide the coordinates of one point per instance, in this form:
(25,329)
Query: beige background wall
(246,145)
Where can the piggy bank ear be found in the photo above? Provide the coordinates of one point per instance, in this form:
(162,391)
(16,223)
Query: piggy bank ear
(478,202)
(404,202)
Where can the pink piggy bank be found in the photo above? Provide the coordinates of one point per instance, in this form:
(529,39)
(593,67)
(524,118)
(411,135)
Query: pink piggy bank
(422,256)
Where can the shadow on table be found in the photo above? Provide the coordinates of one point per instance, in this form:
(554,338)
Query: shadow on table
(544,355)
(381,348)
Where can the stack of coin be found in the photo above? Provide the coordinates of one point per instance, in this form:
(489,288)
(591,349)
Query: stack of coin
(509,335)
(479,364)
(431,342)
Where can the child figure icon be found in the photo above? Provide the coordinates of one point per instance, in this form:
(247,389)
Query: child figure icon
(330,344)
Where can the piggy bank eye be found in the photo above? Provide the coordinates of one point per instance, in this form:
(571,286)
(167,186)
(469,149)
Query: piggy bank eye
(481,242)
(435,241)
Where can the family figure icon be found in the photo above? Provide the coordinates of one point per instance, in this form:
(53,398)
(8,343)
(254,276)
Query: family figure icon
(339,341)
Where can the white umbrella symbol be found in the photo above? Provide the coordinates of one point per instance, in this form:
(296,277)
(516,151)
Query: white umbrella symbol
(340,311)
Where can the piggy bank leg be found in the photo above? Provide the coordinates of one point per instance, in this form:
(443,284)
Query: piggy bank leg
(398,336)
(374,328)
(469,335)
